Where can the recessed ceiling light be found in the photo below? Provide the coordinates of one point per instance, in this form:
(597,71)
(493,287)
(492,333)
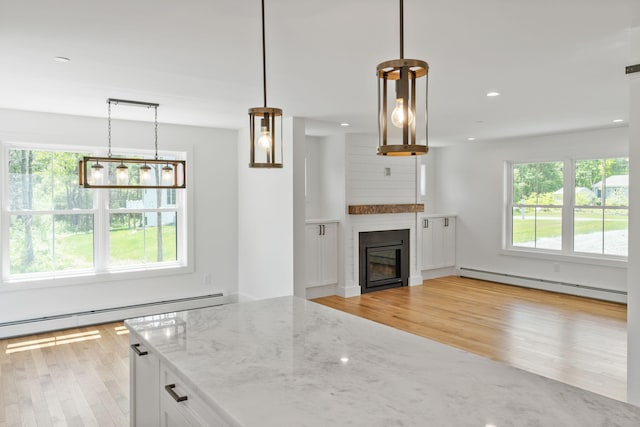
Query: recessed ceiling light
(61,59)
(344,124)
(471,138)
(492,94)
(618,121)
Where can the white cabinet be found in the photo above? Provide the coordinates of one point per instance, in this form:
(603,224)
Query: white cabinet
(321,253)
(144,369)
(438,242)
(160,398)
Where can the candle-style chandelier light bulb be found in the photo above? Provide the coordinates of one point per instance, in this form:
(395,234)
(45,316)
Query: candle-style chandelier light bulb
(145,174)
(167,175)
(122,174)
(97,173)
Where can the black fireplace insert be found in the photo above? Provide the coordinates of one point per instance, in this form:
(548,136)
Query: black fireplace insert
(384,259)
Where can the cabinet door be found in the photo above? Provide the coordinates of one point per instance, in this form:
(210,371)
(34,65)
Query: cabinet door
(312,254)
(144,386)
(438,242)
(329,254)
(428,260)
(449,242)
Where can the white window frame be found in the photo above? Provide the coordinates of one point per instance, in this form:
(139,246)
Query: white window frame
(567,252)
(101,272)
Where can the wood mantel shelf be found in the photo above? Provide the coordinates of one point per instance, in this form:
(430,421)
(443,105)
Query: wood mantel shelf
(385,209)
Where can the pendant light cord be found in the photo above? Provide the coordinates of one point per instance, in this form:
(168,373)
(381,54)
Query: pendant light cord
(401,29)
(264,59)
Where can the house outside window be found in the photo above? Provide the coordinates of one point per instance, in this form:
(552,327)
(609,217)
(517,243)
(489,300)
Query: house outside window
(52,227)
(569,207)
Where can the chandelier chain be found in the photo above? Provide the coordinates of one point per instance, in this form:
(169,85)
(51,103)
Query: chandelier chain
(109,128)
(156,130)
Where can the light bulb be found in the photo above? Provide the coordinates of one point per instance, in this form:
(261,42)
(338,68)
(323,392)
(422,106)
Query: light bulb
(145,174)
(122,174)
(167,175)
(397,115)
(97,173)
(265,139)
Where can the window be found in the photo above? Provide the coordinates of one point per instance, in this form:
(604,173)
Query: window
(54,227)
(570,207)
(537,205)
(600,214)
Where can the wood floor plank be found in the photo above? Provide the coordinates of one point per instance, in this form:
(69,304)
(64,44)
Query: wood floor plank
(576,340)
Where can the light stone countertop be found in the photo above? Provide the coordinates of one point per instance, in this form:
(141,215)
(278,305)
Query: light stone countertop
(288,362)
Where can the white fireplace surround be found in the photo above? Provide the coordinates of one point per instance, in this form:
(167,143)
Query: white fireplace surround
(383,222)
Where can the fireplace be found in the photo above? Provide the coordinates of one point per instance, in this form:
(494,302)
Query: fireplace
(384,259)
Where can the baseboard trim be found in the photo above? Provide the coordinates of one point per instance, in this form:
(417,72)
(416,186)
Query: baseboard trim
(546,285)
(320,291)
(92,317)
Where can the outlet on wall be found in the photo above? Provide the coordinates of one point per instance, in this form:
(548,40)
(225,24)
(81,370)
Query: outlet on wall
(387,171)
(556,267)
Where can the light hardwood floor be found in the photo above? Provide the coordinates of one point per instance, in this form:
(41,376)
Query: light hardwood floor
(80,377)
(579,341)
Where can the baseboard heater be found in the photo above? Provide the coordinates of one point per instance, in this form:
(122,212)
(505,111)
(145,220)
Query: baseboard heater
(545,284)
(92,317)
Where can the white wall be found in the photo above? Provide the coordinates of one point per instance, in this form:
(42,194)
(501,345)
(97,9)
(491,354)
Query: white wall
(266,218)
(366,180)
(314,176)
(212,189)
(633,311)
(471,182)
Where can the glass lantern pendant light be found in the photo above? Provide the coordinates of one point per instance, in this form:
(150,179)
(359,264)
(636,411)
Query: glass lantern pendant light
(110,172)
(403,121)
(265,125)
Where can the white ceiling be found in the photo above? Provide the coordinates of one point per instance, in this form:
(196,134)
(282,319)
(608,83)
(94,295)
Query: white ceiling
(559,64)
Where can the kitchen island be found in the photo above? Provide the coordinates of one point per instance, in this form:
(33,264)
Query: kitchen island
(290,362)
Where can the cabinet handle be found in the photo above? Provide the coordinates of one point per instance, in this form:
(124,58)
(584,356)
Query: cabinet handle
(446,222)
(136,348)
(425,223)
(323,230)
(173,394)
(319,230)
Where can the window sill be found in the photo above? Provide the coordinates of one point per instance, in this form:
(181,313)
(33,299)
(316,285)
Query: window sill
(85,278)
(614,262)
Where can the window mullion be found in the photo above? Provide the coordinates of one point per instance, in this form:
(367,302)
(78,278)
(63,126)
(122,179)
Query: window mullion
(101,229)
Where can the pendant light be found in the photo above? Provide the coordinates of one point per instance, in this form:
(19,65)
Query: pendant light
(114,172)
(265,125)
(403,121)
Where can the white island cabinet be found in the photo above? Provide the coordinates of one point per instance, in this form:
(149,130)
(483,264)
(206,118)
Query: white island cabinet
(291,362)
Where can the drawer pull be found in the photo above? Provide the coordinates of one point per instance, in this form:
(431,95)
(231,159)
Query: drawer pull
(173,394)
(136,348)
